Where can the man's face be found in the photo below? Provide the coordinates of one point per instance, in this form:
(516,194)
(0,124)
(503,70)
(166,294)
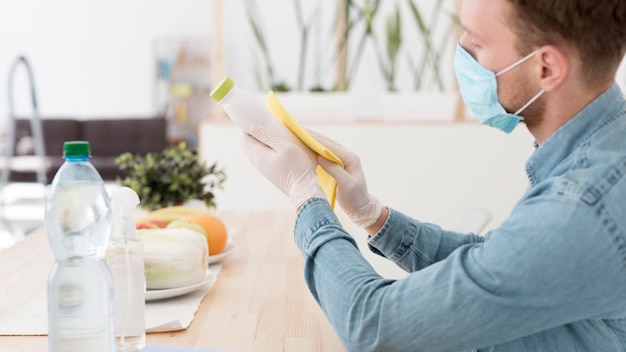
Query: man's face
(490,38)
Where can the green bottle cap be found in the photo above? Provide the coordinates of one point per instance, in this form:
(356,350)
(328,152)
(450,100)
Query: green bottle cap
(222,89)
(76,148)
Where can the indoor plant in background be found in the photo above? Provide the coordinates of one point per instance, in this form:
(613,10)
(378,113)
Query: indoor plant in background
(413,44)
(432,97)
(310,97)
(172,177)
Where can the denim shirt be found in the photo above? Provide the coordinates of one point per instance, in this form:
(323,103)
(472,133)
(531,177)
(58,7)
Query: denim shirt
(551,278)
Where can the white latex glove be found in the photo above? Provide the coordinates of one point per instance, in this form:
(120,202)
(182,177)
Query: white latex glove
(288,166)
(352,194)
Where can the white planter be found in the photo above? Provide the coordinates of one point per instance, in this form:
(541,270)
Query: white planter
(319,107)
(419,106)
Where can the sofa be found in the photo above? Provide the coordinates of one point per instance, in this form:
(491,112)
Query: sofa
(108,139)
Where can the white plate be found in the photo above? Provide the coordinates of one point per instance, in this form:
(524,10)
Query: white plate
(209,279)
(228,250)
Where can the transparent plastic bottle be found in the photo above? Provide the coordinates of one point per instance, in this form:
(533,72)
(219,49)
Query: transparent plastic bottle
(126,260)
(80,284)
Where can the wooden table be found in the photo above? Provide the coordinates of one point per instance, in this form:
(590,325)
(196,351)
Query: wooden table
(259,302)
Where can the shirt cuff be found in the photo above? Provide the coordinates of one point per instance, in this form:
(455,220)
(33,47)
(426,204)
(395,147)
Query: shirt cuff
(394,237)
(313,214)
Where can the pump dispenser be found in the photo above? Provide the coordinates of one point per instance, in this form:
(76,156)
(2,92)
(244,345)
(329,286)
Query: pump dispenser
(126,259)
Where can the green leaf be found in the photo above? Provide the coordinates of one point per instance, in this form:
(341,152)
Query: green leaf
(171,177)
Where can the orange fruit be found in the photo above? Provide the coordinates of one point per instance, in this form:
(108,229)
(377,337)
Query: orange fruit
(215,230)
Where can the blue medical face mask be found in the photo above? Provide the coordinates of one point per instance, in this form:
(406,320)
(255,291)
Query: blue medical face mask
(479,90)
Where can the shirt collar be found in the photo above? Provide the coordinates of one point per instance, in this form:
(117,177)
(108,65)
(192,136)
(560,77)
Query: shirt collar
(573,133)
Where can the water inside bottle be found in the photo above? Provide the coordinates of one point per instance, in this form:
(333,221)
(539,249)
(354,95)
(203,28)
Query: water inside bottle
(80,306)
(77,221)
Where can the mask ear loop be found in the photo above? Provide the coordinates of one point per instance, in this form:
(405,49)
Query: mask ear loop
(532,100)
(514,65)
(519,62)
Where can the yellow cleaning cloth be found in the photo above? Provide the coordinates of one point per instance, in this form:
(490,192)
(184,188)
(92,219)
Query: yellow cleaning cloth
(328,183)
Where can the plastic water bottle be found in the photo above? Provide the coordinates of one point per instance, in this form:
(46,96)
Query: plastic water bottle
(126,260)
(80,285)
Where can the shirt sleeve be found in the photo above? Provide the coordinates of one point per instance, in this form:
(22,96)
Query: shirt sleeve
(525,279)
(414,245)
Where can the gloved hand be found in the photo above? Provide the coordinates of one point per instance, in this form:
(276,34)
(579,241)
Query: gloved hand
(352,194)
(288,166)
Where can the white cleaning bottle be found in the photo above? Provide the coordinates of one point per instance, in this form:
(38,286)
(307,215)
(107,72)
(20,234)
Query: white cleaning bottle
(126,259)
(244,109)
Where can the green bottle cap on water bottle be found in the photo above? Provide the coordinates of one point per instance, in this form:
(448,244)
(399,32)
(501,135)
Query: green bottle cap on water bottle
(222,89)
(76,148)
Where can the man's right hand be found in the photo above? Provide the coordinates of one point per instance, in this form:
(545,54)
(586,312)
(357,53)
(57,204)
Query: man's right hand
(352,194)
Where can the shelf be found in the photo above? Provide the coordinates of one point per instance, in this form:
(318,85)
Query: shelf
(182,84)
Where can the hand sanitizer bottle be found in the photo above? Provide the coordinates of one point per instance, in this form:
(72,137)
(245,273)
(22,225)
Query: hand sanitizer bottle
(126,260)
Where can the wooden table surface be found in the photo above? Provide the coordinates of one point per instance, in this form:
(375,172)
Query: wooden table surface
(260,301)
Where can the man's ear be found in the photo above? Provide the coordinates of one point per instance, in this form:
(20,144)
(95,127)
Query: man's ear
(554,67)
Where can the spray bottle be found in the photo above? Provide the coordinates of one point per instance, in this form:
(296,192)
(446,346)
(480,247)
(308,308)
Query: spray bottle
(126,259)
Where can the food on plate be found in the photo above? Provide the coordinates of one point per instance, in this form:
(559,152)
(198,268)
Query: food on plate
(150,224)
(174,257)
(186,224)
(169,214)
(216,233)
(182,216)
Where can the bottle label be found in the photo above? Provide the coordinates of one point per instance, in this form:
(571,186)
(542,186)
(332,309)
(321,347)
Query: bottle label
(70,296)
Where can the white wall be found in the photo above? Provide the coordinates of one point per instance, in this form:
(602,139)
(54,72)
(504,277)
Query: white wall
(92,58)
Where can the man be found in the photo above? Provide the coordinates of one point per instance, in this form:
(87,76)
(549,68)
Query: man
(552,277)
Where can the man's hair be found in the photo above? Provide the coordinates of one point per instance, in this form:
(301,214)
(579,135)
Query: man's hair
(596,29)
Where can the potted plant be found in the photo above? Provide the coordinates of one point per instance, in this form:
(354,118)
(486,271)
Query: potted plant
(171,177)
